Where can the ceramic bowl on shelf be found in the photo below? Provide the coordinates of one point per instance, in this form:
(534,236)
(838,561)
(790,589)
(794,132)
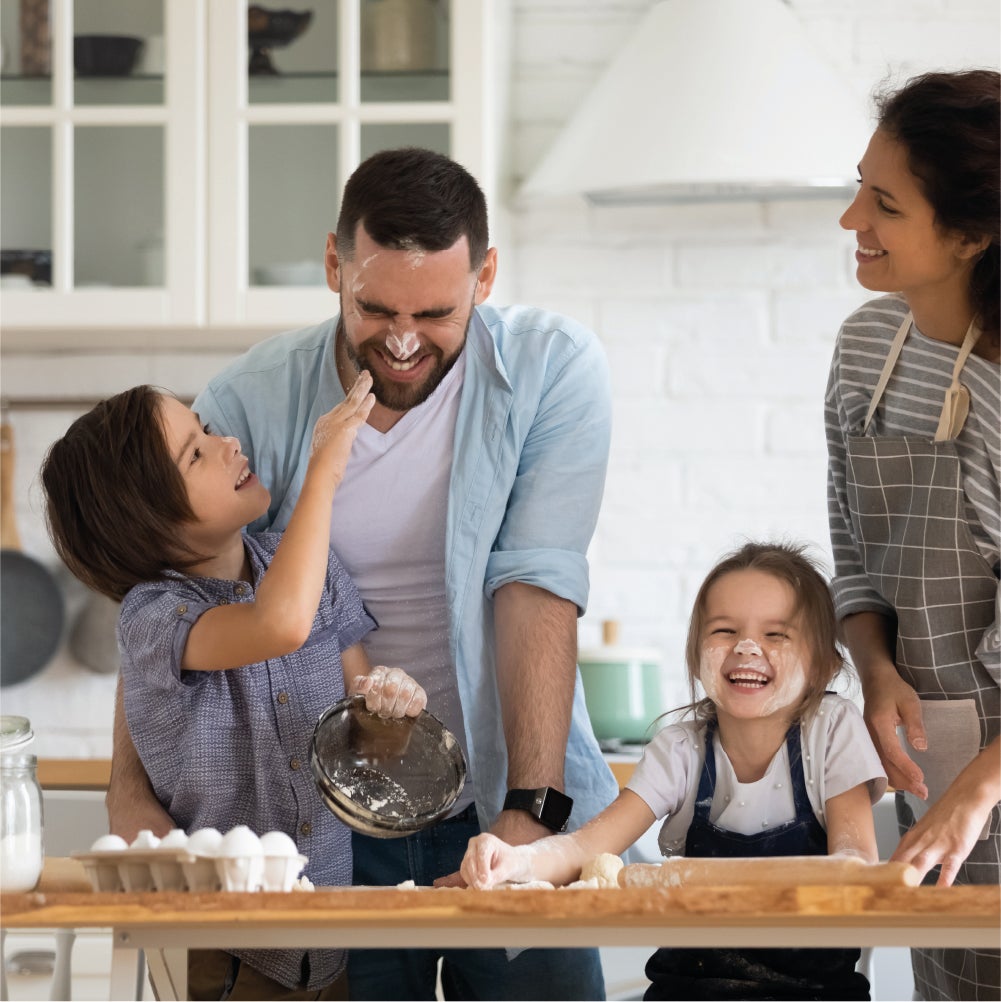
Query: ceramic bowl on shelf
(271,29)
(291,273)
(105,55)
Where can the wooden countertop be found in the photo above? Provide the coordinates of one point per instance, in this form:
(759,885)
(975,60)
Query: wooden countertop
(842,915)
(622,771)
(95,773)
(74,773)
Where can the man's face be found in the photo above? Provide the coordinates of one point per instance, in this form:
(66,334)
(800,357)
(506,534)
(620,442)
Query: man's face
(404,313)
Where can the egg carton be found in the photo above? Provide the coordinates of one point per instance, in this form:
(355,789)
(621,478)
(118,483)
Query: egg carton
(204,861)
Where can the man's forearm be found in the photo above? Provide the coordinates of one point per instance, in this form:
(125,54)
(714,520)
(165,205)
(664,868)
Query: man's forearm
(130,800)
(536,636)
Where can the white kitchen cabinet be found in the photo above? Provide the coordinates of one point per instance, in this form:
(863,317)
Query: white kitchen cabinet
(104,173)
(193,194)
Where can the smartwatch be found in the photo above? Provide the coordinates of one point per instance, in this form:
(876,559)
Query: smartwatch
(549,806)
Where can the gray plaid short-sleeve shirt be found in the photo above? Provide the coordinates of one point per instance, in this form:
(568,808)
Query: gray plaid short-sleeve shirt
(226,748)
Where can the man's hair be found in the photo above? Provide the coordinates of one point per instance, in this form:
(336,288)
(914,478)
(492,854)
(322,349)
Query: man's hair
(114,498)
(413,199)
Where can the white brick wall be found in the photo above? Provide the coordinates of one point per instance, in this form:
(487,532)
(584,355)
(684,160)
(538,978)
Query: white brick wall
(718,321)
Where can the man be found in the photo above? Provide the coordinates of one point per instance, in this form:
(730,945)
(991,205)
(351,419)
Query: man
(464,518)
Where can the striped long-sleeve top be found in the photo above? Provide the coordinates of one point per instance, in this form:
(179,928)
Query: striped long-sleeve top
(910,406)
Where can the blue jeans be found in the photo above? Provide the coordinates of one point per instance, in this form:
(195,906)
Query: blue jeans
(465,974)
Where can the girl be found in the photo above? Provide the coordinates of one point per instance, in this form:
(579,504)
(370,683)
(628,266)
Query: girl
(913,414)
(232,643)
(771,765)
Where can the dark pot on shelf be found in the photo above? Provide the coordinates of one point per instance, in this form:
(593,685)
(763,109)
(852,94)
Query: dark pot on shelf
(35,264)
(105,55)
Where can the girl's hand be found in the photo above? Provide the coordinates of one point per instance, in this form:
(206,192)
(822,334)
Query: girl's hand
(389,692)
(335,431)
(489,861)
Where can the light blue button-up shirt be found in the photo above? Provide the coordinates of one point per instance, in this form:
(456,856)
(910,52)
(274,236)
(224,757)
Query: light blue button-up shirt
(528,471)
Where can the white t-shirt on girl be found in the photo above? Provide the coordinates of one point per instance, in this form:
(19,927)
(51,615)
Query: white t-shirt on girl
(838,754)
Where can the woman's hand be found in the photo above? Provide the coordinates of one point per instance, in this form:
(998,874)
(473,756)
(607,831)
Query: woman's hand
(950,829)
(888,703)
(335,431)
(389,692)
(489,861)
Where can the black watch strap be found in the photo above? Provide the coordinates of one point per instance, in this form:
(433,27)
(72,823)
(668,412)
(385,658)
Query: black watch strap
(549,806)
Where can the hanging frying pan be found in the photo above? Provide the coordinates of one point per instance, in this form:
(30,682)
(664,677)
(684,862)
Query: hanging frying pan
(31,602)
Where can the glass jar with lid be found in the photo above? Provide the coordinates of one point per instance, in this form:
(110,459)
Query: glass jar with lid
(21,852)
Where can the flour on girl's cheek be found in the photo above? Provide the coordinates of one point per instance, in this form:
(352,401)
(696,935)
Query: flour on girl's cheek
(709,671)
(789,684)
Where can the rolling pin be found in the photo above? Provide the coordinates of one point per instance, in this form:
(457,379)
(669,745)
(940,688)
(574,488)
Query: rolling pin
(706,872)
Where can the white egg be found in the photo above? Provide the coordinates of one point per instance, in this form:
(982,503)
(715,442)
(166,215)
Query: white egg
(145,840)
(109,842)
(204,841)
(239,841)
(278,844)
(176,838)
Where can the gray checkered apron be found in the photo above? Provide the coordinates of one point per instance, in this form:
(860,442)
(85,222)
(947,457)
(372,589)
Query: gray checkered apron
(907,508)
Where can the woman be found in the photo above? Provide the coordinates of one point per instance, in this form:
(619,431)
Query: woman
(913,415)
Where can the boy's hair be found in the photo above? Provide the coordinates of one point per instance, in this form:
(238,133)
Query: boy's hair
(814,607)
(410,199)
(114,499)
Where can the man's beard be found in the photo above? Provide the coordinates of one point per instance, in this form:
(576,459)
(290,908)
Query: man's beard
(396,396)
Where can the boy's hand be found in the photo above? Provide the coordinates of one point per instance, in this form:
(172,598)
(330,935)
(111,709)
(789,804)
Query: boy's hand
(389,692)
(335,431)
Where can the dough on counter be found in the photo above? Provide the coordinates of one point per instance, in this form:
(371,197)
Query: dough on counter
(604,868)
(527,885)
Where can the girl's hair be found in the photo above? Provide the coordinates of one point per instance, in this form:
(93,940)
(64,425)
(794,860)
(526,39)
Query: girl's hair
(814,608)
(114,498)
(949,125)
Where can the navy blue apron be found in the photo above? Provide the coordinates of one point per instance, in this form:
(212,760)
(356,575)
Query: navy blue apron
(753,973)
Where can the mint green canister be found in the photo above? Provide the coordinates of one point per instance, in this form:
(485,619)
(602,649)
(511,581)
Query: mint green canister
(623,689)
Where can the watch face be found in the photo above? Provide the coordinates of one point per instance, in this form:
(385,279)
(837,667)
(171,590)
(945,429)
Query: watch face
(556,809)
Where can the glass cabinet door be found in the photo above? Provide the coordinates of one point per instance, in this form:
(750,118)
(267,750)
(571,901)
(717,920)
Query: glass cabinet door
(98,126)
(307,95)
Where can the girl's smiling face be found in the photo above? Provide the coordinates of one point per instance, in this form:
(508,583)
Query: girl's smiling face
(755,658)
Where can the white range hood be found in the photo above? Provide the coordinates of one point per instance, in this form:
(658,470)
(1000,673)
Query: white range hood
(709,100)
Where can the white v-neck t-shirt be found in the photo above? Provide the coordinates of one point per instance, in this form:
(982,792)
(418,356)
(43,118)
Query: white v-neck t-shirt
(388,530)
